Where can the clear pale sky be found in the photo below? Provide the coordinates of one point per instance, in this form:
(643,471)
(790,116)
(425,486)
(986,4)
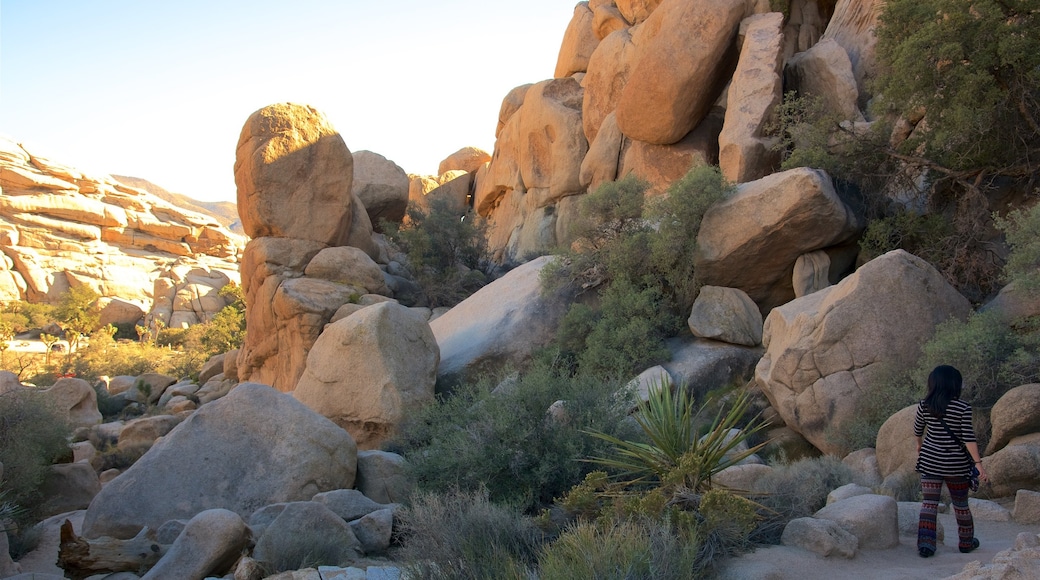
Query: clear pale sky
(161,89)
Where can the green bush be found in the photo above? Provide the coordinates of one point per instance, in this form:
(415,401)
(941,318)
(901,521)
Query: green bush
(678,215)
(462,535)
(632,549)
(33,435)
(992,356)
(799,489)
(1022,229)
(921,235)
(503,440)
(636,262)
(447,250)
(625,335)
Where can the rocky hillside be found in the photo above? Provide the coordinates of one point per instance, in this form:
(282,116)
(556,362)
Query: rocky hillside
(62,228)
(225,212)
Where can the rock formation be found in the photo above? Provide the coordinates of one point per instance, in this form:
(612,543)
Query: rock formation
(882,313)
(61,228)
(295,177)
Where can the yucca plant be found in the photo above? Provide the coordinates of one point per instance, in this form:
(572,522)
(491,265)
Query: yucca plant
(675,456)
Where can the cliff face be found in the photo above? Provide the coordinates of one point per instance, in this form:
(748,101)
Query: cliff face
(60,228)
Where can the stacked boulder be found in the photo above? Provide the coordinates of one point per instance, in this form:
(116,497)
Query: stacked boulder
(655,87)
(294,176)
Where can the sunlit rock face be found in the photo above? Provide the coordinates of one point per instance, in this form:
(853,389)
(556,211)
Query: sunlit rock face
(290,157)
(295,178)
(61,228)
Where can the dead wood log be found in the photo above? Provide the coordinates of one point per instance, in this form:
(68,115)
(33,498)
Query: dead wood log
(82,558)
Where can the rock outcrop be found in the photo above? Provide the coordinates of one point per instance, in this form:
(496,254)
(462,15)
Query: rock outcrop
(502,323)
(368,371)
(752,240)
(879,315)
(62,228)
(295,176)
(252,448)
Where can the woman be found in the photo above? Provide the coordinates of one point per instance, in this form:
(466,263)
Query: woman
(941,457)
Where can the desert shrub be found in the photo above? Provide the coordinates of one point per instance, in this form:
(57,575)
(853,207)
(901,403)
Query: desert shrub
(800,489)
(104,356)
(446,248)
(624,335)
(992,355)
(462,535)
(623,550)
(678,215)
(503,441)
(1022,230)
(636,259)
(921,235)
(33,434)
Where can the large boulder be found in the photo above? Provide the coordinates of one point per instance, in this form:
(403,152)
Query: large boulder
(1016,466)
(852,26)
(304,530)
(249,449)
(824,71)
(370,370)
(705,365)
(381,185)
(285,312)
(823,537)
(209,545)
(755,91)
(883,313)
(503,323)
(663,165)
(752,240)
(579,41)
(348,266)
(68,487)
(383,476)
(1016,413)
(609,67)
(727,315)
(896,451)
(636,11)
(551,140)
(294,176)
(873,519)
(685,52)
(75,399)
(601,162)
(468,159)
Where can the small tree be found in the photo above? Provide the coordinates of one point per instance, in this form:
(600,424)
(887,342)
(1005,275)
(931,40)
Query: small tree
(6,334)
(48,341)
(78,313)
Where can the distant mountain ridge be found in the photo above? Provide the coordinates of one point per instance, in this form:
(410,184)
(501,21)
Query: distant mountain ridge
(224,212)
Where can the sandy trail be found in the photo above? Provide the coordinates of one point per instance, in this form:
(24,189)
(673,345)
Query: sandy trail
(899,563)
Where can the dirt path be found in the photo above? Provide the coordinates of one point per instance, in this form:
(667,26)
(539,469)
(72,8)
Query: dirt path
(899,563)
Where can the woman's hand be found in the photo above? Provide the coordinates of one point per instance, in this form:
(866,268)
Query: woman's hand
(983,476)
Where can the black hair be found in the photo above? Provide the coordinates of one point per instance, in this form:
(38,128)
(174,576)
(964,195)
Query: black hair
(944,385)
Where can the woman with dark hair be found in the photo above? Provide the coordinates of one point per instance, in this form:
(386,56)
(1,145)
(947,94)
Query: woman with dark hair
(946,451)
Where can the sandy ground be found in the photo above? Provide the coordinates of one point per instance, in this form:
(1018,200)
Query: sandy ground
(899,563)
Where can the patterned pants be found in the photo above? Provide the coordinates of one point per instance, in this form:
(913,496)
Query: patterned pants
(931,487)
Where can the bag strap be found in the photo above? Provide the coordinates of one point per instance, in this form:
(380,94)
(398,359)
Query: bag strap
(950,432)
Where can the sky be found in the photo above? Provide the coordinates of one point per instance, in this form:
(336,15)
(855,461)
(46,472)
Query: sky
(160,89)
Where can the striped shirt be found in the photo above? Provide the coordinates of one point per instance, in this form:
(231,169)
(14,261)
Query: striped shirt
(941,454)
